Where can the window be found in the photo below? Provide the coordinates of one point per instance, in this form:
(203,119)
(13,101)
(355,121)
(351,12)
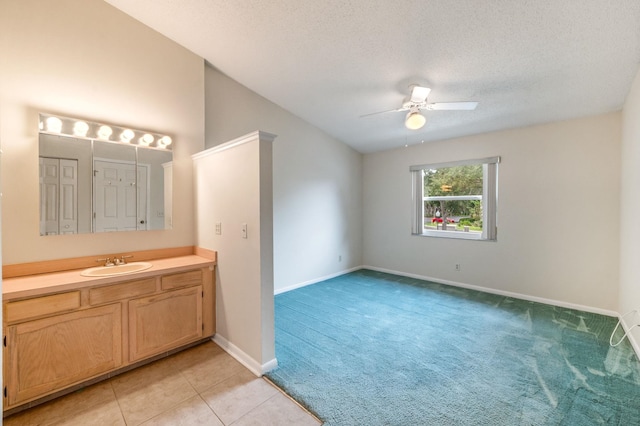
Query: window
(456,199)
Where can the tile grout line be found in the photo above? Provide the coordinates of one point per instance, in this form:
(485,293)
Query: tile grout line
(166,362)
(117,402)
(266,379)
(179,371)
(204,390)
(200,395)
(211,408)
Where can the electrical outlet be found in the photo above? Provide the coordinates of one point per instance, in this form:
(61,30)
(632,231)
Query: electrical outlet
(339,258)
(457,267)
(218,228)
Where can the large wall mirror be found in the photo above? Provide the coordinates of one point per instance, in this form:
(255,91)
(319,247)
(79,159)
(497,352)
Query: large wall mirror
(102,178)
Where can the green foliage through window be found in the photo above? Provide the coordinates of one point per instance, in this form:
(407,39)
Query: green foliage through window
(454,181)
(461,180)
(456,199)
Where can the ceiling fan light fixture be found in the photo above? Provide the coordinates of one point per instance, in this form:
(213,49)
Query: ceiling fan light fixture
(414,120)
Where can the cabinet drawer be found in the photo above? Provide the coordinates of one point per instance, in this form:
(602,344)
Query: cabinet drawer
(111,293)
(41,306)
(183,279)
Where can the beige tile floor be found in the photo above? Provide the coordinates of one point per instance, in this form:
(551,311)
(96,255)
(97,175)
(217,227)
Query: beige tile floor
(200,386)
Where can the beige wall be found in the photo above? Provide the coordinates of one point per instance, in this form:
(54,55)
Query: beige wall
(630,207)
(84,58)
(317,183)
(558,213)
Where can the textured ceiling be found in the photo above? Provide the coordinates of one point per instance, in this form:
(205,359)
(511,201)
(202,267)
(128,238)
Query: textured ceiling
(331,61)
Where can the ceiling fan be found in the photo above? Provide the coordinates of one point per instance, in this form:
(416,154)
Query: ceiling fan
(418,102)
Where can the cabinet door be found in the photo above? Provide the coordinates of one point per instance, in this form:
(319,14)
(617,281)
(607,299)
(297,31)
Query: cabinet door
(52,353)
(164,321)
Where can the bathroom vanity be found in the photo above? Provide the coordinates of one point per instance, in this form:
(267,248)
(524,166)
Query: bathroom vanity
(63,330)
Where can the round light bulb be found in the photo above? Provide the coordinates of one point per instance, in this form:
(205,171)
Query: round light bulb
(80,128)
(414,120)
(127,135)
(54,124)
(165,141)
(146,139)
(104,132)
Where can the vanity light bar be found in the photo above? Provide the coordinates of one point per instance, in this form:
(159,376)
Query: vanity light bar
(65,126)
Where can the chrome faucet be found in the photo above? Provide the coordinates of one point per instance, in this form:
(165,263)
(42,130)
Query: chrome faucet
(121,260)
(107,261)
(116,260)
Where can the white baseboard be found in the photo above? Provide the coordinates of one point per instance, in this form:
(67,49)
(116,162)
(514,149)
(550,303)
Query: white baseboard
(316,280)
(243,358)
(501,292)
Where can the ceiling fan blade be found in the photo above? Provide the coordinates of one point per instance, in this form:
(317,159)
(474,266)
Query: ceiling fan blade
(384,112)
(452,106)
(419,94)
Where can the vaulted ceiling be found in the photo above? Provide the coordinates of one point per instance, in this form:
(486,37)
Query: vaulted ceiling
(332,61)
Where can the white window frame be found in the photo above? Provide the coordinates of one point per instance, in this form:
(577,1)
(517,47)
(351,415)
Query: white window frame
(489,199)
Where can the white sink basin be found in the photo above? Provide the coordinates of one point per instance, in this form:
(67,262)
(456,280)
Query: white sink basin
(107,271)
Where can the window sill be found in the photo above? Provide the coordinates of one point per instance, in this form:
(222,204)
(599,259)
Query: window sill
(459,235)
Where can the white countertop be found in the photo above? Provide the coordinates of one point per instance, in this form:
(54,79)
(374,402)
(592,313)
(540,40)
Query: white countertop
(35,285)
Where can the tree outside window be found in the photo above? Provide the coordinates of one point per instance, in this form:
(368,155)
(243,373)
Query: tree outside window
(453,182)
(456,196)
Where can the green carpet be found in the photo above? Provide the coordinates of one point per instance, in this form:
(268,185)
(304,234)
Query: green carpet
(369,348)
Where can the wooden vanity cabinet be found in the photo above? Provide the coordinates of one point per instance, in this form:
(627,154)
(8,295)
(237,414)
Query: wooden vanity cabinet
(58,341)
